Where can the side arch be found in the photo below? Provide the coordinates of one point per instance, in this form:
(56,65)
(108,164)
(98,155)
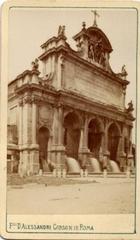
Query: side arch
(74,114)
(114,134)
(117,125)
(95,130)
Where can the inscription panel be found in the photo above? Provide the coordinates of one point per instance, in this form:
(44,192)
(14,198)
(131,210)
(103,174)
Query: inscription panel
(92,85)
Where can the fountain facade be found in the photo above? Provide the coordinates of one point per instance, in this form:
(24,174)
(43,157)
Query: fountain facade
(74,113)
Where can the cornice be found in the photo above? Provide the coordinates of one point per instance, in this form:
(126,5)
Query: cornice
(35,87)
(52,51)
(104,109)
(22,75)
(72,99)
(53,39)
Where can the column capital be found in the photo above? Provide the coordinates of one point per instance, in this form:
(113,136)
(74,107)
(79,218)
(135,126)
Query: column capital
(20,102)
(34,99)
(59,105)
(27,100)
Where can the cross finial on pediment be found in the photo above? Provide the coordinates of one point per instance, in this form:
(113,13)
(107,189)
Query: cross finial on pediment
(95,17)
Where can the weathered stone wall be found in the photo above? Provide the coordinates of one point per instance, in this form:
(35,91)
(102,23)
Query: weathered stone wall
(13,115)
(12,136)
(87,82)
(11,87)
(45,115)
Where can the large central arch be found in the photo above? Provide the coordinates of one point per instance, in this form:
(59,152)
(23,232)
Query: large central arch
(72,127)
(94,137)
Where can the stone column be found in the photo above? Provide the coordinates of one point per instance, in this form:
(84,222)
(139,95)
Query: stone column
(26,106)
(83,147)
(121,153)
(24,168)
(55,127)
(34,154)
(101,153)
(60,68)
(49,148)
(85,134)
(57,149)
(130,160)
(106,153)
(20,134)
(20,130)
(81,143)
(60,126)
(34,122)
(61,154)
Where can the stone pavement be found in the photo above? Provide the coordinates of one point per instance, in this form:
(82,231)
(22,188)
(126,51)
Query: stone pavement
(99,196)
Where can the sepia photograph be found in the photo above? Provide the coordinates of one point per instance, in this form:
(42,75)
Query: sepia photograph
(71,114)
(71,140)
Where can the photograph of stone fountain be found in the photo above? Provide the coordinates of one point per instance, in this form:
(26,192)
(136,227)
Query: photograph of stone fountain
(70,117)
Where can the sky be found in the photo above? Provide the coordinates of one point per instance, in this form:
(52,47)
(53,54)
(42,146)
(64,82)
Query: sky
(31,27)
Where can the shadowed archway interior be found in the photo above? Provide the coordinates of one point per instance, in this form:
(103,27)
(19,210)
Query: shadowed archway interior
(94,137)
(72,135)
(113,141)
(43,138)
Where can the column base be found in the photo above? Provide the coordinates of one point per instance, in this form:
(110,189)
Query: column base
(130,162)
(122,161)
(58,159)
(83,156)
(29,161)
(34,162)
(23,163)
(105,161)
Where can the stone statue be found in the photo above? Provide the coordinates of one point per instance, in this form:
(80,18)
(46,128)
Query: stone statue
(102,59)
(96,52)
(123,71)
(130,107)
(35,64)
(91,52)
(61,31)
